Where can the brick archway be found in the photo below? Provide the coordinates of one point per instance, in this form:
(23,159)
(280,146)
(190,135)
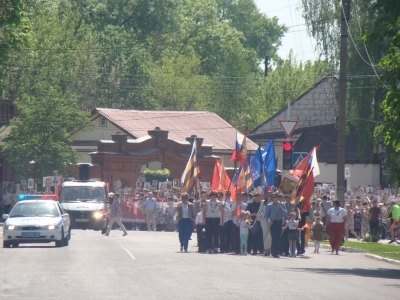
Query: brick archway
(122,158)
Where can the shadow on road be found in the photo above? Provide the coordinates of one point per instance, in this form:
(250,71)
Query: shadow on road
(46,246)
(375,273)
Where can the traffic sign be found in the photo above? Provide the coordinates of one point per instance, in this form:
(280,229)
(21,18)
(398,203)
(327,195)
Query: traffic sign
(288,126)
(297,157)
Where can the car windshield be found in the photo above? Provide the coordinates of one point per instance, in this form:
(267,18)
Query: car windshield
(82,194)
(34,209)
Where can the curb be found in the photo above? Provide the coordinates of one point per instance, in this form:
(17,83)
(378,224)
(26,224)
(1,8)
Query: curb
(380,258)
(372,256)
(345,249)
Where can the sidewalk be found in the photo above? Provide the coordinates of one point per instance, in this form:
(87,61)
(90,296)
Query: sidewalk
(383,242)
(379,251)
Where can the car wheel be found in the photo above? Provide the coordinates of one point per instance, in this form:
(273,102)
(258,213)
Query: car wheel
(69,234)
(60,243)
(6,244)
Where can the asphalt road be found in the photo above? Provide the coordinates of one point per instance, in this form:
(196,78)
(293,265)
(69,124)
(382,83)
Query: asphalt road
(149,265)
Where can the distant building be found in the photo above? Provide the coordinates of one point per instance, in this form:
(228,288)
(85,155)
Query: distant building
(141,132)
(316,112)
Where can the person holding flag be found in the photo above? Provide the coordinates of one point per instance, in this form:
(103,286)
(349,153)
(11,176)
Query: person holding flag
(275,214)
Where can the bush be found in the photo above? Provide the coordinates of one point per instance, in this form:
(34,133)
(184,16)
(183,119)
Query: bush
(372,238)
(324,236)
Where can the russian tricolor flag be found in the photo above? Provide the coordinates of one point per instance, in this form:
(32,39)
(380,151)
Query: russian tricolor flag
(240,152)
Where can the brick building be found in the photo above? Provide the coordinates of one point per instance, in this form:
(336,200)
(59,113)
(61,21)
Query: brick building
(121,143)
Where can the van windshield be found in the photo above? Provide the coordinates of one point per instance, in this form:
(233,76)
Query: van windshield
(82,194)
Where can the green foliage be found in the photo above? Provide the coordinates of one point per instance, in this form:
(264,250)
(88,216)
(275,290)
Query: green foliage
(13,28)
(161,54)
(367,44)
(156,173)
(387,31)
(47,143)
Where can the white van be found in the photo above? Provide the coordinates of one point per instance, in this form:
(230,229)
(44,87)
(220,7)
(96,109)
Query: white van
(87,204)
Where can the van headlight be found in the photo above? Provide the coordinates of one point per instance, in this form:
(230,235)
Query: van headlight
(99,214)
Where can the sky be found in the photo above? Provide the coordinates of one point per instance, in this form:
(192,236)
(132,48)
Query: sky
(288,12)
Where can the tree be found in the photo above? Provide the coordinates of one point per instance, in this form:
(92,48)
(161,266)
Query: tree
(387,24)
(48,85)
(13,28)
(40,135)
(366,90)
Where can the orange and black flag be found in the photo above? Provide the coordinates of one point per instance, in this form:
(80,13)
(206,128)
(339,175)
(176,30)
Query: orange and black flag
(191,173)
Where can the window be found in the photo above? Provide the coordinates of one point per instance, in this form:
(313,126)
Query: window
(103,122)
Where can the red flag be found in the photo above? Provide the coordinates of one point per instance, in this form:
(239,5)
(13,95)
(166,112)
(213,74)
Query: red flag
(221,181)
(216,179)
(310,165)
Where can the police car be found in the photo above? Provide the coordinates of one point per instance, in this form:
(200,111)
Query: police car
(36,219)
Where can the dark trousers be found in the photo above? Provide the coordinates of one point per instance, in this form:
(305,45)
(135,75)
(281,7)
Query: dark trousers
(255,241)
(374,227)
(212,232)
(284,242)
(276,229)
(185,228)
(225,237)
(300,245)
(201,238)
(236,239)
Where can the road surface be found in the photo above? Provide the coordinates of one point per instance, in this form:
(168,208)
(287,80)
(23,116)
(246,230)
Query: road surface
(149,265)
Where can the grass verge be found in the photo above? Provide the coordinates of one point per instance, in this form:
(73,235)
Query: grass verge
(387,251)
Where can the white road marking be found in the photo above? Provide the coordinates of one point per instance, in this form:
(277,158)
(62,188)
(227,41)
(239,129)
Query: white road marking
(129,253)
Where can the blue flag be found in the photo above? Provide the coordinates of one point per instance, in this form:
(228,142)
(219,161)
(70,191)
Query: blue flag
(270,163)
(256,168)
(236,176)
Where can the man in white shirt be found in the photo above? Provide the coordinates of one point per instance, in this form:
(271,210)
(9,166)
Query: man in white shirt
(150,206)
(227,221)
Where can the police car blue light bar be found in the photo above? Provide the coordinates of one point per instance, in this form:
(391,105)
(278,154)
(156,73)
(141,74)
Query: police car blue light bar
(37,197)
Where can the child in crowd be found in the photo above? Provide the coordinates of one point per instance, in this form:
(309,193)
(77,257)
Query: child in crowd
(201,232)
(293,233)
(317,229)
(244,226)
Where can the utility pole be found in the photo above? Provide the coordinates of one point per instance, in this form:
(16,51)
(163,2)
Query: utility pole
(341,152)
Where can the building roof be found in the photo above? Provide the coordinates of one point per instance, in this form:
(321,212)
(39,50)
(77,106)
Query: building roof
(304,139)
(179,124)
(327,92)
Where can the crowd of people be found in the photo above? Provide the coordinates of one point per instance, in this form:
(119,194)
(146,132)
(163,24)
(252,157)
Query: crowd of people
(270,224)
